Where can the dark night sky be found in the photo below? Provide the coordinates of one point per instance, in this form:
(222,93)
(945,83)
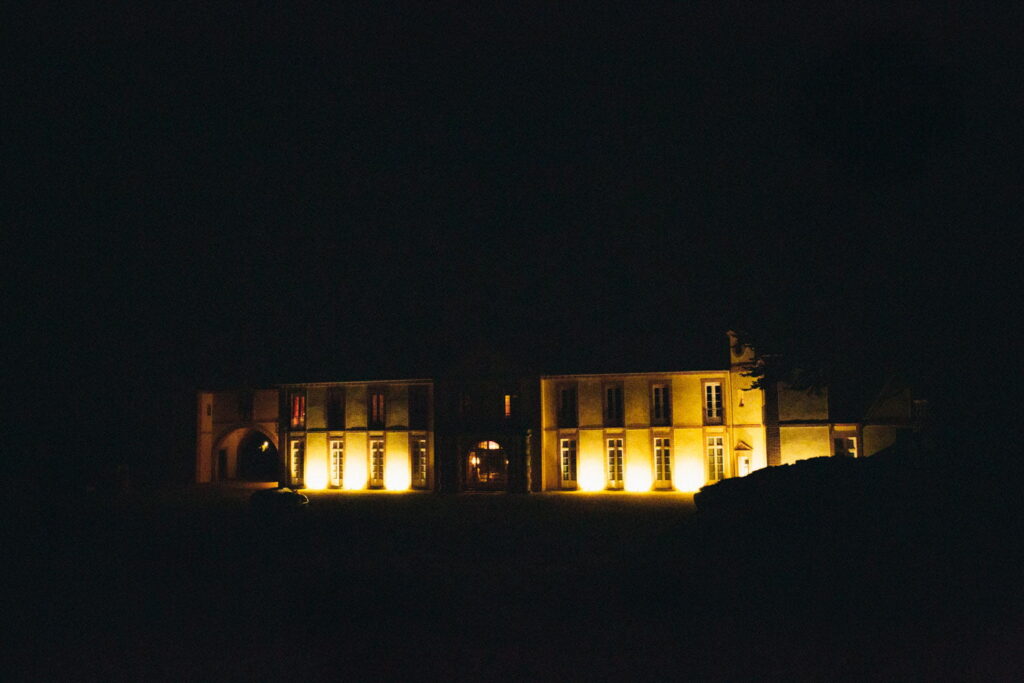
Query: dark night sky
(215,197)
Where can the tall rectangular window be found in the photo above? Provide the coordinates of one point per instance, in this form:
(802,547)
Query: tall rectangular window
(661,407)
(568,452)
(419,407)
(713,403)
(337,463)
(846,445)
(336,407)
(297,460)
(716,458)
(376,462)
(419,461)
(245,401)
(567,407)
(508,405)
(375,409)
(613,406)
(662,462)
(298,410)
(615,463)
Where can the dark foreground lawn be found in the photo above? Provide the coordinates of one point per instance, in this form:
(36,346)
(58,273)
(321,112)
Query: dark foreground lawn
(190,585)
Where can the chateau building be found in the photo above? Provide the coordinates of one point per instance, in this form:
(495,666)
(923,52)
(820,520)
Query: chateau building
(482,429)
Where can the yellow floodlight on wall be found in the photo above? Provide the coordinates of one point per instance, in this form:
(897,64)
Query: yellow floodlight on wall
(638,478)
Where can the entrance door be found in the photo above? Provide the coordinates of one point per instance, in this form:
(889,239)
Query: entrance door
(614,463)
(487,467)
(376,463)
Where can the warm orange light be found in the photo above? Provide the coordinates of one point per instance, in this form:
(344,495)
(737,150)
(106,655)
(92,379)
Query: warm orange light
(397,476)
(316,475)
(590,476)
(689,475)
(355,473)
(638,478)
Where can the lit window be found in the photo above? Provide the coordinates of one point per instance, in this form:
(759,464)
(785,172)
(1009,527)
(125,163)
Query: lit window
(662,462)
(660,410)
(508,405)
(713,403)
(419,462)
(615,463)
(716,458)
(297,458)
(613,406)
(568,451)
(376,409)
(376,462)
(337,462)
(298,404)
(846,445)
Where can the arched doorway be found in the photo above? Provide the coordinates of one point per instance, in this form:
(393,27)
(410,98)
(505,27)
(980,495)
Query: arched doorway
(257,458)
(246,453)
(486,467)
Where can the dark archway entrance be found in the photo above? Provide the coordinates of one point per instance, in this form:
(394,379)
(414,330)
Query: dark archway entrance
(257,458)
(486,467)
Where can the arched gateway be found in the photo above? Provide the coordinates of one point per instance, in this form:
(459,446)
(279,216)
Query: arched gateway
(245,453)
(486,467)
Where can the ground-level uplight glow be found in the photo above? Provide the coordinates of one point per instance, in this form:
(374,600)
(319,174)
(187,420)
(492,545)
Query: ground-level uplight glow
(689,475)
(316,475)
(397,476)
(590,476)
(355,474)
(638,478)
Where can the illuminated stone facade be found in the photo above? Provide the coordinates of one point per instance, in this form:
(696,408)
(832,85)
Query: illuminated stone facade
(485,430)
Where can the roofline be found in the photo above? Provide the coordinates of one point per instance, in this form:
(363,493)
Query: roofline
(635,374)
(353,381)
(290,385)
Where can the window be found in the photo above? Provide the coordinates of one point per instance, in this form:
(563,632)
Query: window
(297,458)
(615,463)
(336,407)
(376,462)
(419,461)
(567,407)
(337,462)
(419,413)
(661,411)
(209,409)
(713,403)
(613,406)
(568,451)
(845,445)
(298,410)
(245,401)
(508,405)
(662,462)
(375,410)
(716,458)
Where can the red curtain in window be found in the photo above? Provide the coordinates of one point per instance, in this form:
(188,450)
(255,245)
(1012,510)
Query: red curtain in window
(298,410)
